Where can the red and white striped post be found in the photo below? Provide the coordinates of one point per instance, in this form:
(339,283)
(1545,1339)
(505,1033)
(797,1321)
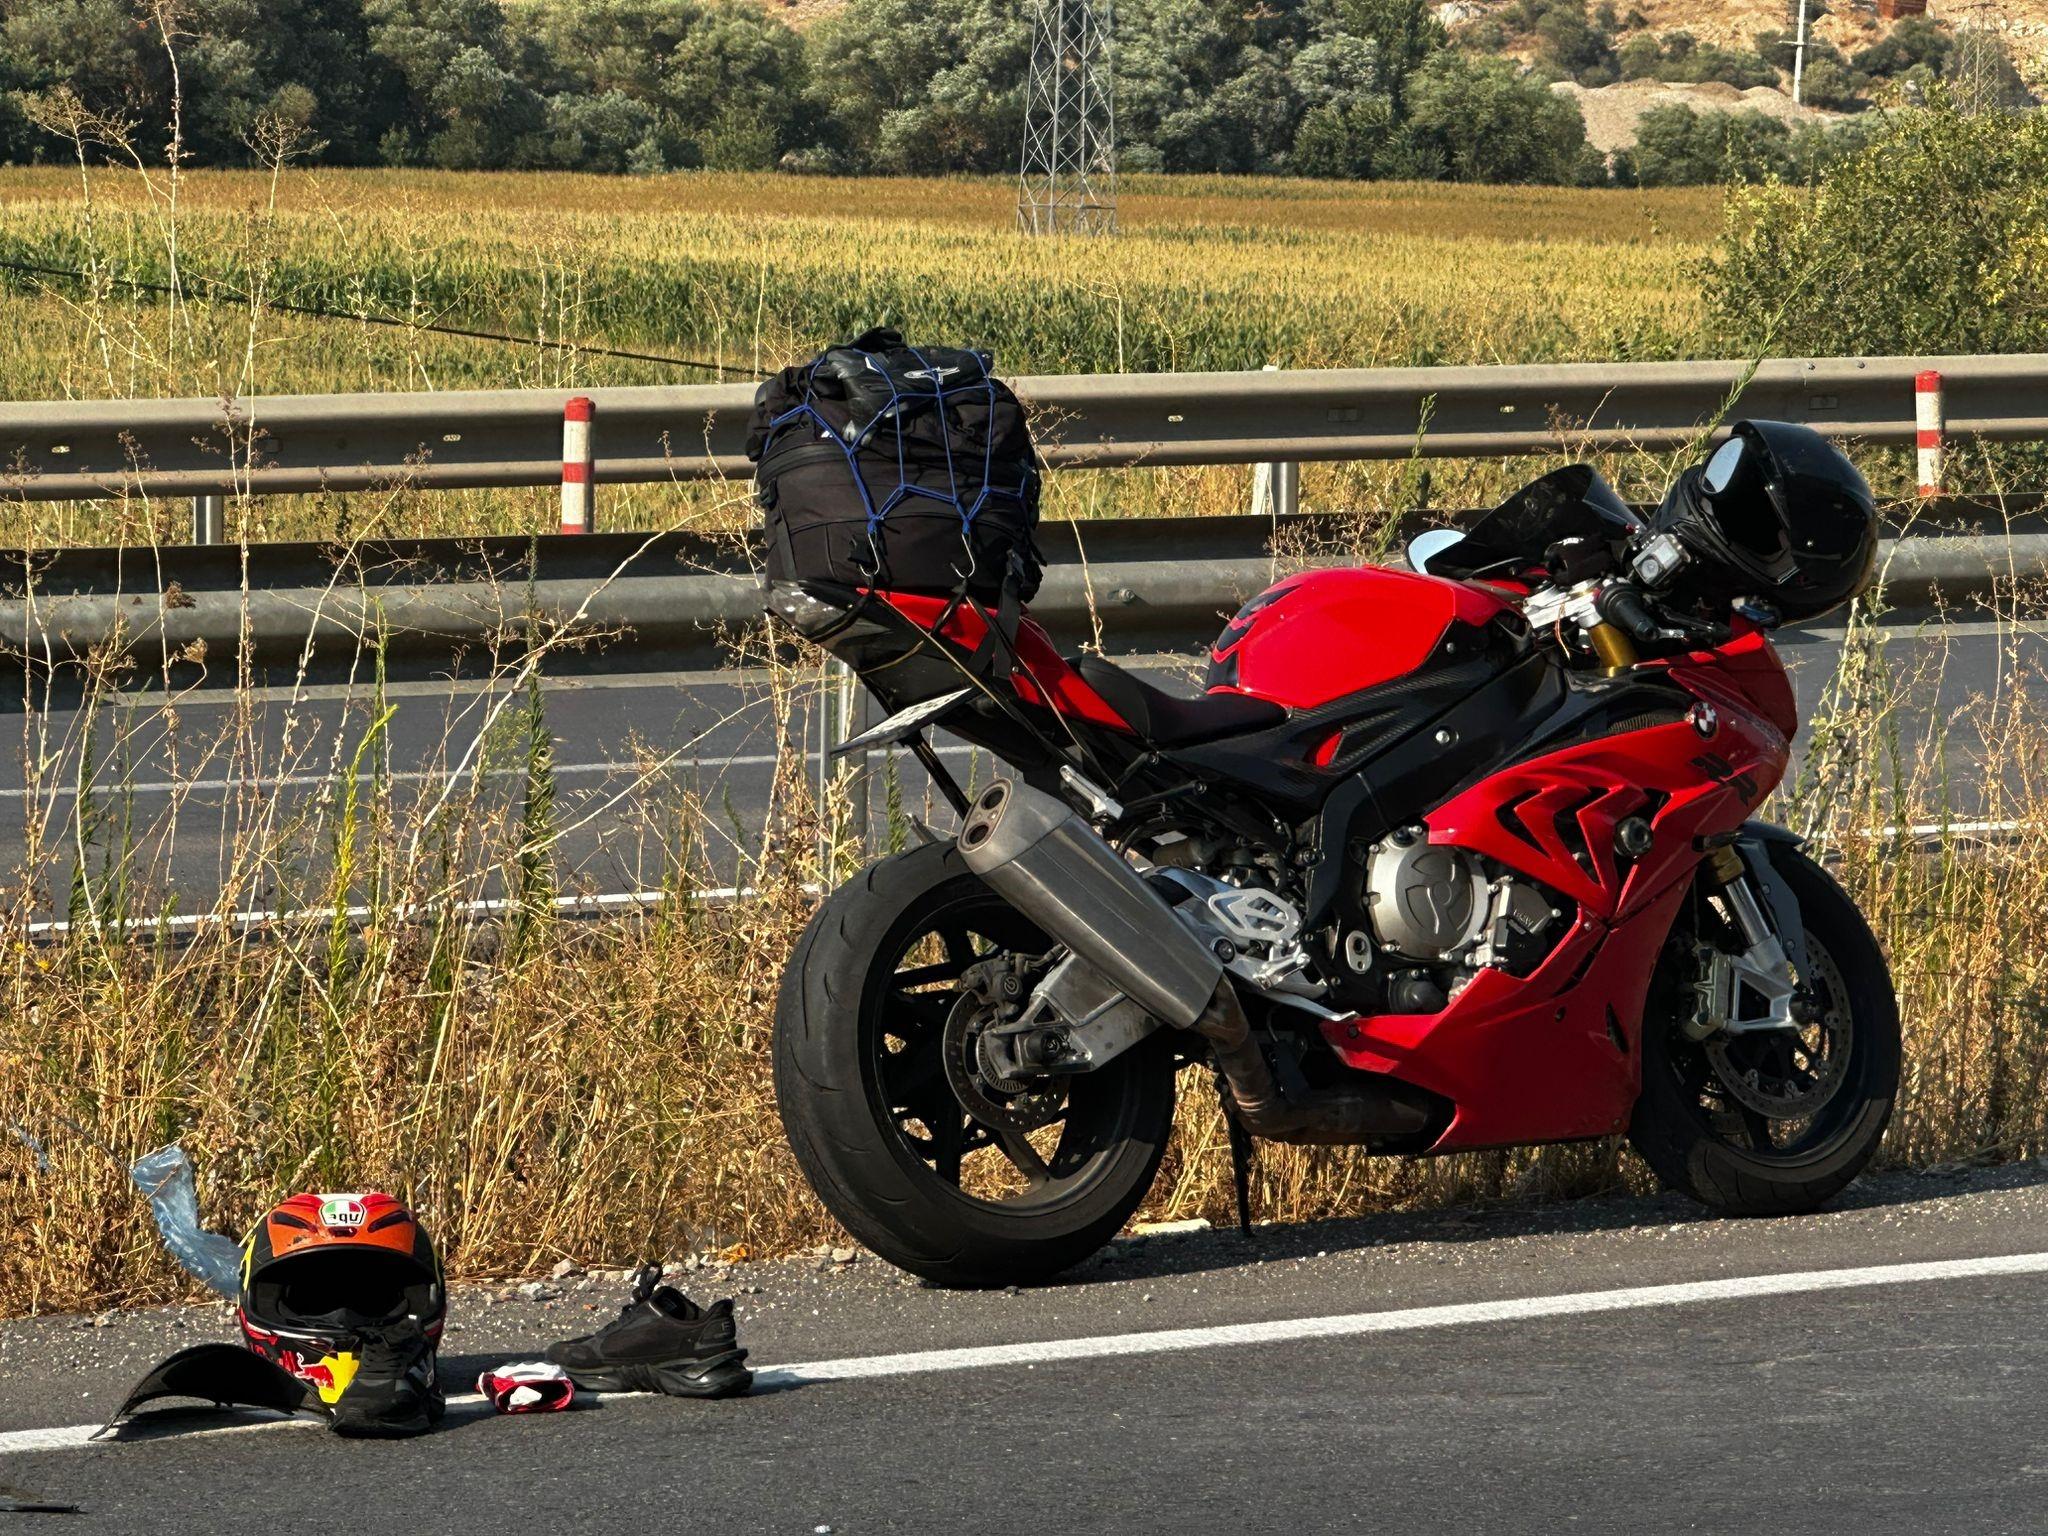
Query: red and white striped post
(1928,417)
(578,514)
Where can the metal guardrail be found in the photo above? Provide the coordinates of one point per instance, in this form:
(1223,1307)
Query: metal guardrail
(72,450)
(676,601)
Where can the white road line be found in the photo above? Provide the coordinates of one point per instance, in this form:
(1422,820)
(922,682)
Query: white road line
(1954,828)
(77,1436)
(1458,1314)
(1293,1330)
(604,902)
(113,789)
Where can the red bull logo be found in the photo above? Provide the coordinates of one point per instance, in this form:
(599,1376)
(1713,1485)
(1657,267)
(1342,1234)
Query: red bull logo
(329,1375)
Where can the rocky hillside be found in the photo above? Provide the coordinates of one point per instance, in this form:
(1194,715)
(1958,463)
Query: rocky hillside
(1849,25)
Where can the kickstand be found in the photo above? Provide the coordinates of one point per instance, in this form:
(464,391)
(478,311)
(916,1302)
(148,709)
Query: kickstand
(1240,1164)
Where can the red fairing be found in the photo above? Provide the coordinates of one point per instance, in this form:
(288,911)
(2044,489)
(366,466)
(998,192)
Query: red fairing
(1750,667)
(1530,1059)
(1325,634)
(1554,1055)
(1042,675)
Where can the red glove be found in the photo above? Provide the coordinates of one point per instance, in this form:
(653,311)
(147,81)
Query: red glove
(528,1387)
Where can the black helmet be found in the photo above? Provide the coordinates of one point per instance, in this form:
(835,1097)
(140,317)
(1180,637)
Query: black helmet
(1777,513)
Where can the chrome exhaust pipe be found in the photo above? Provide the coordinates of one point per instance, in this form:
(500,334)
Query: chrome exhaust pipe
(1035,853)
(1040,857)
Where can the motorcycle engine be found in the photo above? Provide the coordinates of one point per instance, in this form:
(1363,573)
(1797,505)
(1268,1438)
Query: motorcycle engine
(1453,913)
(1420,921)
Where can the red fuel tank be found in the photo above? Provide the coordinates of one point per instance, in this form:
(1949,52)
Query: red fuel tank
(1325,634)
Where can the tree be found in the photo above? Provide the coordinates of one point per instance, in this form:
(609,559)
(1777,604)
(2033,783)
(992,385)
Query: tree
(717,82)
(1348,140)
(606,132)
(1569,43)
(923,86)
(1830,80)
(1925,241)
(307,62)
(1676,146)
(1347,116)
(734,84)
(101,51)
(1486,123)
(1913,44)
(465,107)
(1981,76)
(1206,86)
(1679,57)
(1405,34)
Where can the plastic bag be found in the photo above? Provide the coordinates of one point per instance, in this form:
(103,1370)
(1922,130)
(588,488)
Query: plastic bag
(165,1176)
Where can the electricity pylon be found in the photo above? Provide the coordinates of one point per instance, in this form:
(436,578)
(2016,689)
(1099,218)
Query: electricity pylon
(1067,181)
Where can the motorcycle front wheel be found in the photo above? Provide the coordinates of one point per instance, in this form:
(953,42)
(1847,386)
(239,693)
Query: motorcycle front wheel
(1774,1122)
(875,1068)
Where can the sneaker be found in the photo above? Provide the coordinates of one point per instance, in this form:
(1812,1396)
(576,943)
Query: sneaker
(395,1389)
(661,1342)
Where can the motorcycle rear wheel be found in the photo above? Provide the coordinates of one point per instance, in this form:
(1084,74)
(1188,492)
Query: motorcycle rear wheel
(861,1080)
(1714,1122)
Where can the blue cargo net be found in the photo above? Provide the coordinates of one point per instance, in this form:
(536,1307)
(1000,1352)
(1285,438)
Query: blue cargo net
(929,391)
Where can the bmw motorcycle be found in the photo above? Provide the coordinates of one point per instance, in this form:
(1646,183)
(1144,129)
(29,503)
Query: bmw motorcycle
(1454,857)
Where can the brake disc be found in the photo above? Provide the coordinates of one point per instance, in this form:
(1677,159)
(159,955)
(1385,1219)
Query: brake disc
(1757,1069)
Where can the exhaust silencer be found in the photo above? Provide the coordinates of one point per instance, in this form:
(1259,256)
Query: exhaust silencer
(1034,852)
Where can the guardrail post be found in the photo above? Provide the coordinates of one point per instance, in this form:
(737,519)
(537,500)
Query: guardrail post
(578,512)
(209,519)
(853,701)
(840,705)
(1276,489)
(1286,489)
(1929,418)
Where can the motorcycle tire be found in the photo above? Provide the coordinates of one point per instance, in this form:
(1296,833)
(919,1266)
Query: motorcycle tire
(1695,1150)
(837,1052)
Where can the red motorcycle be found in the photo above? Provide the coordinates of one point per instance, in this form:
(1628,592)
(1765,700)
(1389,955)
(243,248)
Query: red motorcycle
(1448,858)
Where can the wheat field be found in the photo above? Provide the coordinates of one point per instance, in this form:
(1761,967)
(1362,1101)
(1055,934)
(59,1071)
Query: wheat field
(744,273)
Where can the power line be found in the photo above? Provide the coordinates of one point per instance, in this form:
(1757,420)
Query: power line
(319,312)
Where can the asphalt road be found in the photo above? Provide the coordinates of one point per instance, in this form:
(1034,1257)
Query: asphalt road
(1559,1392)
(628,751)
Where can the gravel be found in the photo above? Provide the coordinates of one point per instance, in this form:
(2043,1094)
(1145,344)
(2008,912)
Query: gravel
(1612,111)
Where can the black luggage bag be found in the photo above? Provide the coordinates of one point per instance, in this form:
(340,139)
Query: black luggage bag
(903,468)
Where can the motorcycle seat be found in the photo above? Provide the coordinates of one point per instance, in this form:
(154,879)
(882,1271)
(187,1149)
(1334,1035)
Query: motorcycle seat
(1161,719)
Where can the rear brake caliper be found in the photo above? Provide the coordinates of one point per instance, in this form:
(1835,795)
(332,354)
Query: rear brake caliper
(989,1088)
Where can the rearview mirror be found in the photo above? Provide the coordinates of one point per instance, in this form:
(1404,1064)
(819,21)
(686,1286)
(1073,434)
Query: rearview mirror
(1425,547)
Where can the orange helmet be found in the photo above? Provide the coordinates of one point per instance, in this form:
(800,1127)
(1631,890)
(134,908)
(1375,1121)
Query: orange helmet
(323,1272)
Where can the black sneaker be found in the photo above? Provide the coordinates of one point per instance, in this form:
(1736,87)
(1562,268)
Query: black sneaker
(396,1389)
(661,1342)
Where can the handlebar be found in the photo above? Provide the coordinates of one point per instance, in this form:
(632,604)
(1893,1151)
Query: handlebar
(1623,606)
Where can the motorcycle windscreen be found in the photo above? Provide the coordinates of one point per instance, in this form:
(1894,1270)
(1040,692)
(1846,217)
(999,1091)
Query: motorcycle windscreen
(227,1375)
(1569,503)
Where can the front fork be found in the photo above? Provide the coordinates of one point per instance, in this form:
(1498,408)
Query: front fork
(1756,989)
